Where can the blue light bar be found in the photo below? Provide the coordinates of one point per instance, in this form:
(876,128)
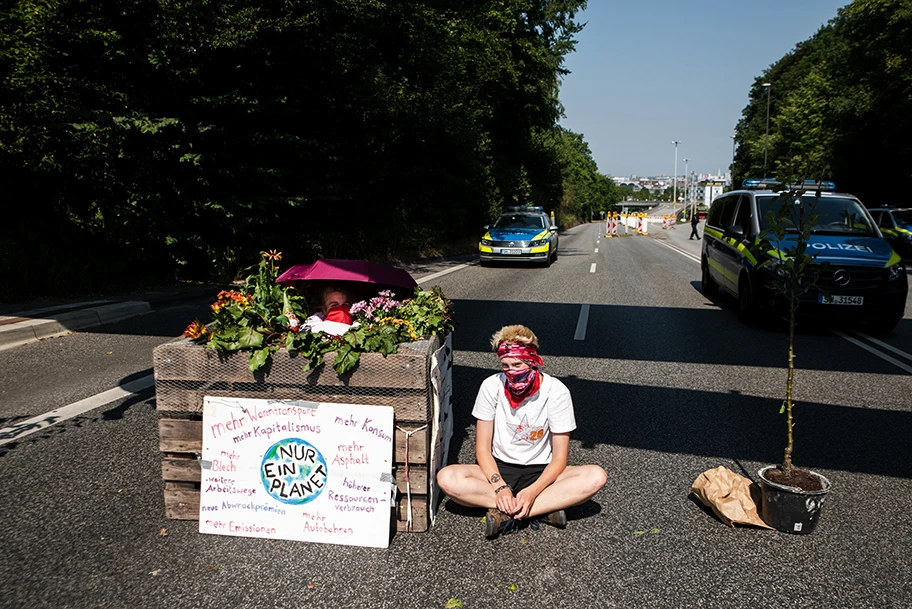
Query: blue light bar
(772,184)
(817,185)
(760,184)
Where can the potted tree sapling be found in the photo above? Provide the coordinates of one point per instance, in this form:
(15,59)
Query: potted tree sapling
(792,497)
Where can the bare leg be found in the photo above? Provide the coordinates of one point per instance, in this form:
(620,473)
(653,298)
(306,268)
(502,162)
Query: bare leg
(466,485)
(575,485)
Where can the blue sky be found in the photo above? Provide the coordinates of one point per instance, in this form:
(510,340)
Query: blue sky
(646,72)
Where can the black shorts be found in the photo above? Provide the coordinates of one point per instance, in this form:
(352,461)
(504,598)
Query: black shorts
(519,476)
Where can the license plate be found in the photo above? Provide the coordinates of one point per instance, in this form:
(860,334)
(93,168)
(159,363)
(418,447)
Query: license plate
(511,252)
(841,300)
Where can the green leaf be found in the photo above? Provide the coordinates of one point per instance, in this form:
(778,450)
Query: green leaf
(512,588)
(782,408)
(249,338)
(258,359)
(453,603)
(346,359)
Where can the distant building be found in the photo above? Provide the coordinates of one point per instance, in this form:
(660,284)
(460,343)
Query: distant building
(712,188)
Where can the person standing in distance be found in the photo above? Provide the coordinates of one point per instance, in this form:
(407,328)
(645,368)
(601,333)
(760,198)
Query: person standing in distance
(522,440)
(694,221)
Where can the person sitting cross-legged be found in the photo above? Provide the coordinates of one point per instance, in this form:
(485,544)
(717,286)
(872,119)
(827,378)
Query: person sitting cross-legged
(522,440)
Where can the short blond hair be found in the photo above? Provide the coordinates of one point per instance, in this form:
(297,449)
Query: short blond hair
(516,334)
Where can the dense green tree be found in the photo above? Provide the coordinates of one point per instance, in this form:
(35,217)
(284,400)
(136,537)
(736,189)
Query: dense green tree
(154,134)
(840,104)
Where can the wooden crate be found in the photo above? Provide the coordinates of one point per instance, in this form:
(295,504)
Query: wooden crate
(185,372)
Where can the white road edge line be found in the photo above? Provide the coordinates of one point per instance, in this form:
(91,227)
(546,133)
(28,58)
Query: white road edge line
(592,268)
(870,349)
(581,323)
(441,273)
(883,345)
(58,415)
(680,251)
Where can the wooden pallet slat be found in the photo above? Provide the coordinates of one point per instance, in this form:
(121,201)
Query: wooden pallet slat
(419,514)
(182,501)
(408,404)
(181,469)
(180,435)
(187,362)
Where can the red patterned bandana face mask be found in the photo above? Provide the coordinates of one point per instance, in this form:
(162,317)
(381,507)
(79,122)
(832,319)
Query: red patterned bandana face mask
(340,314)
(521,384)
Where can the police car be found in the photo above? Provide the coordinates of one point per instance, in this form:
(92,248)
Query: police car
(521,234)
(896,225)
(864,280)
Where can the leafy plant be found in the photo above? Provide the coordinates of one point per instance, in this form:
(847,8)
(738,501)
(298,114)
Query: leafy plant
(787,237)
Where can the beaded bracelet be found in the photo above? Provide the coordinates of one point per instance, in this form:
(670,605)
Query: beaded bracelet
(500,488)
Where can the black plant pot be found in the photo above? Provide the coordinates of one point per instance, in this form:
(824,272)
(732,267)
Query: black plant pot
(790,509)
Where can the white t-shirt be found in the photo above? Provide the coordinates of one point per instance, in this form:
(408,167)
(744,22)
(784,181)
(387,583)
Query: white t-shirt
(522,436)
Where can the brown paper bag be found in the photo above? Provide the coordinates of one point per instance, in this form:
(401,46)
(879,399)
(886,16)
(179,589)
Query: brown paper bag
(728,495)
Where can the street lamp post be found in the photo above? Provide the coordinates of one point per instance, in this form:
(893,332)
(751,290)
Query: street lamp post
(769,87)
(685,182)
(674,187)
(732,172)
(693,198)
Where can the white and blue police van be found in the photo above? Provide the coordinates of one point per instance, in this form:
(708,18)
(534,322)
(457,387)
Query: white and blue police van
(863,280)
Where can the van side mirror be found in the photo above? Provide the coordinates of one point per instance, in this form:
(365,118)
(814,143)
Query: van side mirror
(735,232)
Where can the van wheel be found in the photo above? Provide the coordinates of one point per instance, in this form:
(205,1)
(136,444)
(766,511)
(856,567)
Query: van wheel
(710,287)
(747,311)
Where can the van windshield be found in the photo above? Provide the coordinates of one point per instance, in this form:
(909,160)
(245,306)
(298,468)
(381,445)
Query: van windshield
(835,215)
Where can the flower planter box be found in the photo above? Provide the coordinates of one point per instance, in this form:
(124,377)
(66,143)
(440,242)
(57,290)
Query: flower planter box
(186,372)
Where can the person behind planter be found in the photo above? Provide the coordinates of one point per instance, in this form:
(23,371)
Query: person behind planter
(334,313)
(522,439)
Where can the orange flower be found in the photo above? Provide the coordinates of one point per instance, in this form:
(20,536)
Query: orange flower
(272,255)
(226,297)
(196,330)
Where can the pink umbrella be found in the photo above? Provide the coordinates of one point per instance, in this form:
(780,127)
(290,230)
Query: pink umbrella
(359,271)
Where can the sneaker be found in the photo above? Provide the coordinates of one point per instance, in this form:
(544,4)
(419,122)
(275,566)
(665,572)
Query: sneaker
(556,519)
(496,522)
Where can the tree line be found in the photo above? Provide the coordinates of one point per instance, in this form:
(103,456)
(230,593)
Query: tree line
(840,106)
(145,140)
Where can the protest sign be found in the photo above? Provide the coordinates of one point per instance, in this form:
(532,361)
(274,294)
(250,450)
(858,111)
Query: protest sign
(291,469)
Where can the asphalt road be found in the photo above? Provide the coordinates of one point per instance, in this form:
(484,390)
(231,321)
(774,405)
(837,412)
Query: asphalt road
(666,384)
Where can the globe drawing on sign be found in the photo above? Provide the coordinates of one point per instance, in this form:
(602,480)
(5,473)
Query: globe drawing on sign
(293,471)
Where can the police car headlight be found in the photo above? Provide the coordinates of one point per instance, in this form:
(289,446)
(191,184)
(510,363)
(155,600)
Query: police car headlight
(537,242)
(896,271)
(487,242)
(776,267)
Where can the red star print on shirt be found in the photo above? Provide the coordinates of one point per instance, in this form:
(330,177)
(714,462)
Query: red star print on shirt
(524,433)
